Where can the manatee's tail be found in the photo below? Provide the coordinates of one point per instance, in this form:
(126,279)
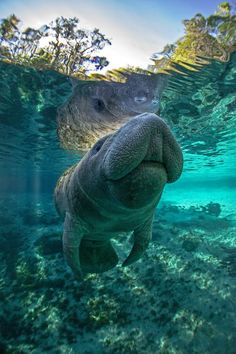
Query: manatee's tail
(97,256)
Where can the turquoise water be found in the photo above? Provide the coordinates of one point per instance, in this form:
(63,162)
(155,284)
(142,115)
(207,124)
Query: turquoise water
(180,297)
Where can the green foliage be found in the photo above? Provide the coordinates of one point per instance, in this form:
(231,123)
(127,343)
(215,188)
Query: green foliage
(61,46)
(205,37)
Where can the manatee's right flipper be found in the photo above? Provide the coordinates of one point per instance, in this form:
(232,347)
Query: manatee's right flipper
(71,241)
(97,256)
(141,237)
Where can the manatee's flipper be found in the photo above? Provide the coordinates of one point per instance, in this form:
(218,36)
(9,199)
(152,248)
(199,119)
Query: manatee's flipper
(71,241)
(97,256)
(141,236)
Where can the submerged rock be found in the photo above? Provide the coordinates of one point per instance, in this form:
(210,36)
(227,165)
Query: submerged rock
(213,208)
(190,245)
(49,244)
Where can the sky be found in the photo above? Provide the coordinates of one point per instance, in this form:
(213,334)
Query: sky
(136,28)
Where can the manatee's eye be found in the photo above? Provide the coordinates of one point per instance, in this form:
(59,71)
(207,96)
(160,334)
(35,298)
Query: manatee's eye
(98,105)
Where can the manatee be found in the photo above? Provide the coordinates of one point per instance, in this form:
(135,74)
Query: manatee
(115,189)
(97,108)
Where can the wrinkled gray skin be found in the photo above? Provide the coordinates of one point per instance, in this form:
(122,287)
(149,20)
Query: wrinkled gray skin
(98,108)
(115,189)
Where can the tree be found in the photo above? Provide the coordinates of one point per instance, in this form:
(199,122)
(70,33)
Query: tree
(223,25)
(60,45)
(205,37)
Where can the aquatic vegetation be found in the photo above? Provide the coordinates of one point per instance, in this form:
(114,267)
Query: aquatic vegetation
(190,244)
(229,260)
(172,299)
(102,310)
(25,271)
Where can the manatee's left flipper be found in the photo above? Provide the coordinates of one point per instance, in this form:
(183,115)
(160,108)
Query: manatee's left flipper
(141,236)
(71,241)
(97,256)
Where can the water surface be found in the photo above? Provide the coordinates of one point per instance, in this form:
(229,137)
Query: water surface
(180,297)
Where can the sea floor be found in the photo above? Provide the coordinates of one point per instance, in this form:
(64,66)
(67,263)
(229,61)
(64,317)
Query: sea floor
(179,298)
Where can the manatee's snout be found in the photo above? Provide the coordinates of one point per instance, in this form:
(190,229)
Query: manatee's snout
(145,138)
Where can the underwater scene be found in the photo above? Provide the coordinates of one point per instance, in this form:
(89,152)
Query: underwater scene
(157,151)
(180,296)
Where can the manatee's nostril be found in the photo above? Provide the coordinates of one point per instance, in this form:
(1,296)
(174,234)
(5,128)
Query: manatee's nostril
(97,148)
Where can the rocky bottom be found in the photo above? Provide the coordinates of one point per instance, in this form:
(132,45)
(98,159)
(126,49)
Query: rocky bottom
(179,298)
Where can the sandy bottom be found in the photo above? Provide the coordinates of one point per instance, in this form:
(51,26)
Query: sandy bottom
(179,298)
